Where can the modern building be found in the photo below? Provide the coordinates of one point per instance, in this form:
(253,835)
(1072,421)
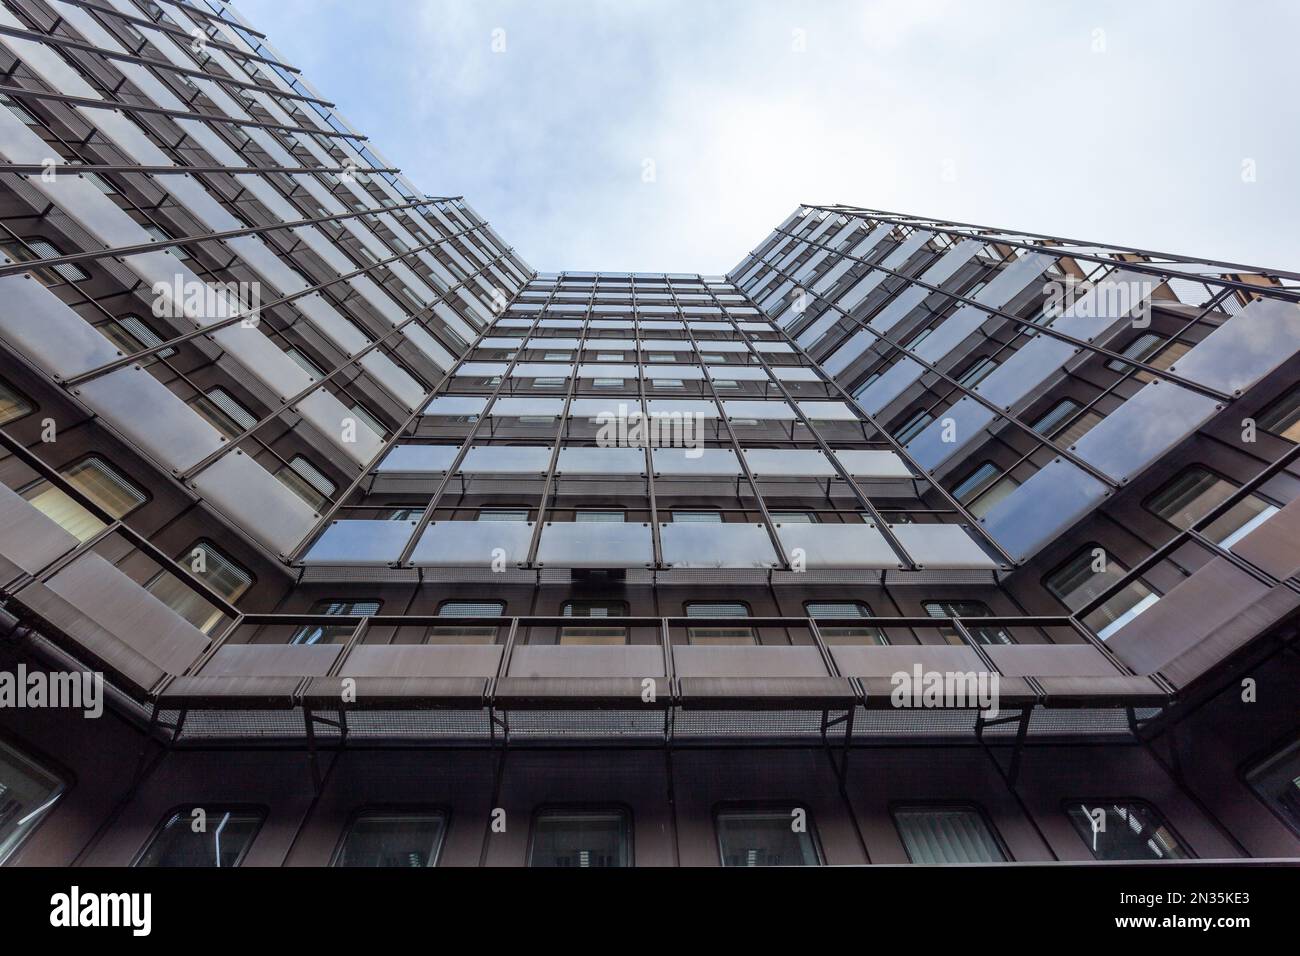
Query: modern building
(906,540)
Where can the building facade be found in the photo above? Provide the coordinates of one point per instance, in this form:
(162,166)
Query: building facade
(906,540)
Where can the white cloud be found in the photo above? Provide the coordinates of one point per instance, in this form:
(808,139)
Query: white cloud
(1138,145)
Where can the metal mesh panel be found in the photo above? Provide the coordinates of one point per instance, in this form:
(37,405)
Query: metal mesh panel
(747,723)
(596,723)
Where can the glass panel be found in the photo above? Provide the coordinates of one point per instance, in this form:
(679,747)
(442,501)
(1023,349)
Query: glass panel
(702,517)
(765,838)
(27,792)
(222,840)
(580,838)
(394,839)
(947,835)
(1050,500)
(1125,831)
(728,545)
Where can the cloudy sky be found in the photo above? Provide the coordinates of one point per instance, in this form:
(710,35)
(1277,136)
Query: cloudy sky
(672,135)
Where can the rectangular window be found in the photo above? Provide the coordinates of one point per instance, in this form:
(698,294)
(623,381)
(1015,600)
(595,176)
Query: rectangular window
(130,334)
(215,570)
(503,514)
(223,841)
(766,838)
(1088,574)
(580,838)
(223,412)
(1130,830)
(1140,348)
(393,840)
(719,634)
(304,363)
(793,517)
(29,250)
(947,835)
(13,405)
(27,793)
(844,634)
(606,517)
(983,488)
(303,478)
(99,482)
(977,372)
(594,634)
(467,633)
(334,633)
(1055,416)
(698,517)
(1276,781)
(913,427)
(1282,418)
(981,635)
(1197,492)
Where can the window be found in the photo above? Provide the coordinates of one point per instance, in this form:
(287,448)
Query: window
(99,482)
(719,635)
(844,634)
(980,635)
(1151,349)
(29,250)
(223,412)
(1130,830)
(912,427)
(1088,574)
(304,479)
(983,488)
(698,517)
(304,363)
(467,633)
(766,838)
(503,514)
(203,836)
(947,835)
(598,634)
(130,334)
(393,839)
(793,517)
(1276,781)
(215,570)
(334,633)
(365,416)
(1197,492)
(977,372)
(1058,414)
(1140,348)
(611,517)
(27,792)
(580,838)
(19,110)
(1282,418)
(13,405)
